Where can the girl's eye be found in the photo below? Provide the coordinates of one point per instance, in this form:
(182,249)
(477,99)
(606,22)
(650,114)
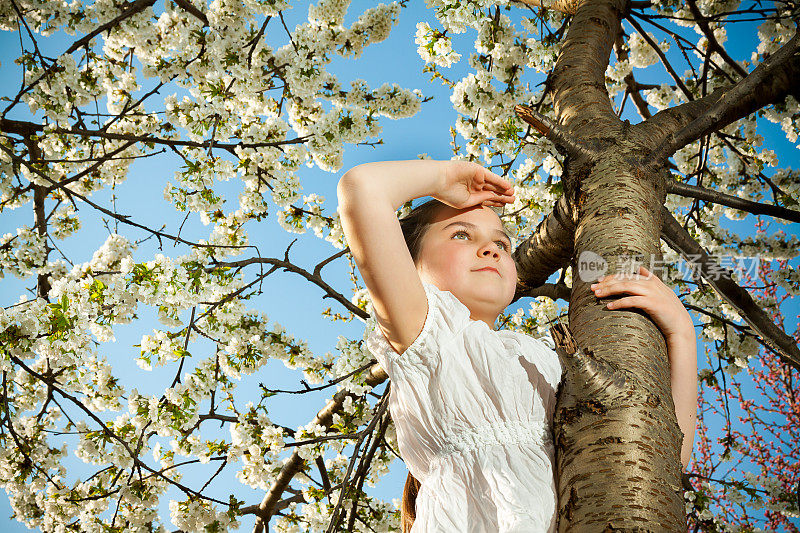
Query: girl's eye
(503,244)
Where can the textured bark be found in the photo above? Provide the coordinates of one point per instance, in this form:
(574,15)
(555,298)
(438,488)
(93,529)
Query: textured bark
(628,439)
(614,428)
(580,98)
(670,120)
(595,399)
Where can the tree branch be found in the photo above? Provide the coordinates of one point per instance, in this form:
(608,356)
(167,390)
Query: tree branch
(567,7)
(663,58)
(554,291)
(26,128)
(679,240)
(188,6)
(313,277)
(770,82)
(129,11)
(633,85)
(547,250)
(713,44)
(580,98)
(295,464)
(756,208)
(671,120)
(122,218)
(565,142)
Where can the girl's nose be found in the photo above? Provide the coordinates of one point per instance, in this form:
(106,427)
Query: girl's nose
(490,249)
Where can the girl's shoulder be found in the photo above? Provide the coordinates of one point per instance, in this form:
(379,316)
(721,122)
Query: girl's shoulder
(445,320)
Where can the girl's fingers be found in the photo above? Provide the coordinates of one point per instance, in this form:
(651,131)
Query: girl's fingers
(498,203)
(616,287)
(499,188)
(485,196)
(498,181)
(640,302)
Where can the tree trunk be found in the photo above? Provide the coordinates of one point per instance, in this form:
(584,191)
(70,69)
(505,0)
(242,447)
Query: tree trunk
(616,433)
(617,437)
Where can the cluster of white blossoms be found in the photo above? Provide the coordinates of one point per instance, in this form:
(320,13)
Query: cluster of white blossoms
(199,515)
(784,499)
(662,97)
(787,115)
(434,46)
(246,108)
(22,254)
(352,355)
(640,53)
(703,511)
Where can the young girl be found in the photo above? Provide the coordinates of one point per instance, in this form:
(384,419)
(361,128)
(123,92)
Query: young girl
(472,405)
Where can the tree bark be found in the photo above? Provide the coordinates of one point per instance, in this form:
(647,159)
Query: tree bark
(547,250)
(615,421)
(628,439)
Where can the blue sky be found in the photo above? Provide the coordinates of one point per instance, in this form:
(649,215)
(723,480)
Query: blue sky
(287,299)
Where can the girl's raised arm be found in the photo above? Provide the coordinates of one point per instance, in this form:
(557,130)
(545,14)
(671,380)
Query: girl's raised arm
(369,196)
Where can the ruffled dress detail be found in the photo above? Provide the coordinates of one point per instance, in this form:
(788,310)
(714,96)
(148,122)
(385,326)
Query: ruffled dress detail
(473,411)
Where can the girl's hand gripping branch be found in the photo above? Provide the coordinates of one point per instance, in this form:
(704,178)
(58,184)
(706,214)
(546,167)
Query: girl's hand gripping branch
(649,294)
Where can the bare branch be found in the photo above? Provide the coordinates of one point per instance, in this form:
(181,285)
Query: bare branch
(563,140)
(713,44)
(679,240)
(313,277)
(39,197)
(663,58)
(381,408)
(701,193)
(547,250)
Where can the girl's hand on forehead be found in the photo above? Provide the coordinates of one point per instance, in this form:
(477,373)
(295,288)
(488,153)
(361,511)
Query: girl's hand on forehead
(465,184)
(651,296)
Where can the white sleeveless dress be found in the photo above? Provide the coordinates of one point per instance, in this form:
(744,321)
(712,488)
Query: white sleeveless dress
(473,410)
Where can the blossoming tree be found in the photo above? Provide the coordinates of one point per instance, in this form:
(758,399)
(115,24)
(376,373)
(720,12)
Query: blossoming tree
(255,111)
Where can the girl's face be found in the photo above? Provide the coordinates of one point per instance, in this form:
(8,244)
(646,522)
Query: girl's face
(456,246)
